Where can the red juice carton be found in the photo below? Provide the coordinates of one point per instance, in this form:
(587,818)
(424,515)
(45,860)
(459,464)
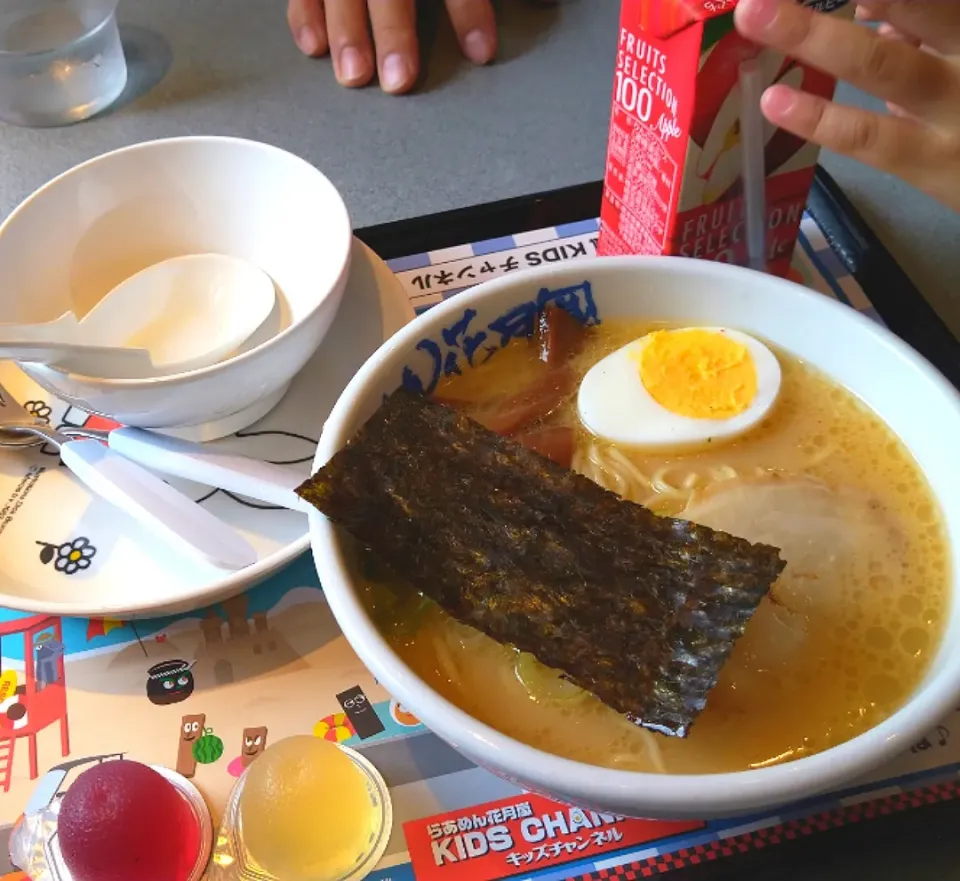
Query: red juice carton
(673,176)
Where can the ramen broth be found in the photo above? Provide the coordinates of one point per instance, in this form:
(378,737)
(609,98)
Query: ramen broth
(845,636)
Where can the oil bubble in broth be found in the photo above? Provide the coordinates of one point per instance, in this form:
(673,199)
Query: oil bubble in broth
(844,638)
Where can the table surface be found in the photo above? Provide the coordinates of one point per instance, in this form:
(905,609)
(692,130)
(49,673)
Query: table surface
(536,120)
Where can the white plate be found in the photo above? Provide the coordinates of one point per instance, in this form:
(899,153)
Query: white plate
(65,552)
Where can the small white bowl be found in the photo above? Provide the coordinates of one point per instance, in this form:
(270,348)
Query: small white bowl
(902,388)
(78,236)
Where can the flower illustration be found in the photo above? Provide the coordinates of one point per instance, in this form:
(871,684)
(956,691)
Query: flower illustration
(70,557)
(39,409)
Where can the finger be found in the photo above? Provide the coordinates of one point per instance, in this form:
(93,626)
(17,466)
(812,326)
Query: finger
(308,26)
(889,69)
(934,22)
(887,30)
(476,28)
(395,36)
(900,146)
(350,48)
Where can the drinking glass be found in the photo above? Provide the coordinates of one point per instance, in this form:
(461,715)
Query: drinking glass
(61,61)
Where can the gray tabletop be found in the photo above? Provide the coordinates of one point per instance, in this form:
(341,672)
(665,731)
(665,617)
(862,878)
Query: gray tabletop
(534,121)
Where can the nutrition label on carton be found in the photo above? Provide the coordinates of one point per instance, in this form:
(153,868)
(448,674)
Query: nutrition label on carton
(641,179)
(649,184)
(647,143)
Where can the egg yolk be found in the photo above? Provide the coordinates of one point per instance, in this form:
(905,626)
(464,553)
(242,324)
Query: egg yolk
(696,373)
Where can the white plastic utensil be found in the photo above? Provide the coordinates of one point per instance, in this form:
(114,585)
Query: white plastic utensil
(178,315)
(63,328)
(262,481)
(108,362)
(144,496)
(51,342)
(157,505)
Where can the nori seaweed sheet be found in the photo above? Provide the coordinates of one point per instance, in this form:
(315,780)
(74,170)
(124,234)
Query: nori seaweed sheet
(640,610)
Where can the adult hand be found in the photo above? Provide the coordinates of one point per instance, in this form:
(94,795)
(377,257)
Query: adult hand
(912,61)
(342,28)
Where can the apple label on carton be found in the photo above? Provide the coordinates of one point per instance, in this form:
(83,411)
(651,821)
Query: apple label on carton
(673,174)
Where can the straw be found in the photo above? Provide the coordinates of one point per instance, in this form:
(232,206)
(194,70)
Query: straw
(752,171)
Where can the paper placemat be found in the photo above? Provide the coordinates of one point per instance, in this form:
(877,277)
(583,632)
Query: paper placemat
(273,663)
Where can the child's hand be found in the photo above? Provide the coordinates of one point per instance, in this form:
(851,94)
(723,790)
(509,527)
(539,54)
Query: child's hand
(380,36)
(912,62)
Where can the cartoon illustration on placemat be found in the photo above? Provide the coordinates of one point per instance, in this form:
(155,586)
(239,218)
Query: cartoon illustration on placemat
(242,647)
(13,710)
(191,730)
(40,700)
(402,716)
(336,727)
(50,651)
(254,743)
(102,626)
(279,638)
(170,682)
(361,714)
(208,748)
(8,684)
(70,557)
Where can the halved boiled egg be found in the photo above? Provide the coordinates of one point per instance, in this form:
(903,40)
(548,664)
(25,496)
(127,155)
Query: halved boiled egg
(679,388)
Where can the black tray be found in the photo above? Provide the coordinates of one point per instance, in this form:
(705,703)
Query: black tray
(920,844)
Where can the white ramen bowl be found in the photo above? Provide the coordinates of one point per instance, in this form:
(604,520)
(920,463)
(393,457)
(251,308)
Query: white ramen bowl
(77,237)
(901,387)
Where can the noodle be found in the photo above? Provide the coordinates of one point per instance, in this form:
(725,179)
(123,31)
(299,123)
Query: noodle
(613,469)
(661,484)
(725,472)
(621,459)
(616,471)
(651,749)
(448,667)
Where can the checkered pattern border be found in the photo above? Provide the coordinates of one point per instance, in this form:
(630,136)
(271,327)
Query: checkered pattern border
(788,830)
(434,276)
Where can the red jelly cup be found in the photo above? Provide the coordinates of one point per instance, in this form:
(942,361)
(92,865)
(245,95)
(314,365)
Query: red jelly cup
(122,820)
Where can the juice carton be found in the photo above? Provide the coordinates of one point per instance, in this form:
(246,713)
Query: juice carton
(673,174)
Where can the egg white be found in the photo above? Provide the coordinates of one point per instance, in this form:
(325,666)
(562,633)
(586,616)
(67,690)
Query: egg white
(615,405)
